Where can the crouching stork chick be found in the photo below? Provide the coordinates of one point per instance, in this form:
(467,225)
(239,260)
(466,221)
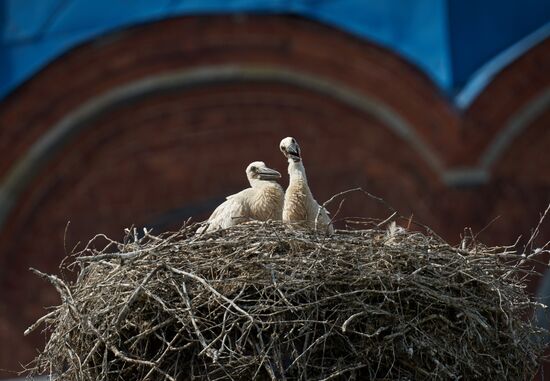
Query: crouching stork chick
(299,205)
(262,201)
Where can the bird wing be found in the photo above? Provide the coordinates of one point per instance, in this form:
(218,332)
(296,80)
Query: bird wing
(324,219)
(229,213)
(319,216)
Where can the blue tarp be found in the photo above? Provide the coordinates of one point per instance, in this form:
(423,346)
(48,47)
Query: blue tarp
(447,39)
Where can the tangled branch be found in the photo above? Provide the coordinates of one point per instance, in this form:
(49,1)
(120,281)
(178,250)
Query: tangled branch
(266,301)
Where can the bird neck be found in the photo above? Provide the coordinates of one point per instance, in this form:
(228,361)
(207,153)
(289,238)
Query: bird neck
(296,170)
(257,183)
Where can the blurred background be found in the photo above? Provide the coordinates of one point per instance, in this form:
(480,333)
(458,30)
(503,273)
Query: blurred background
(119,113)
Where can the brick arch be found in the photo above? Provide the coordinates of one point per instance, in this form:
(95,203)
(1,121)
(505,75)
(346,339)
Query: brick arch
(62,132)
(515,126)
(157,48)
(505,132)
(128,163)
(515,97)
(519,189)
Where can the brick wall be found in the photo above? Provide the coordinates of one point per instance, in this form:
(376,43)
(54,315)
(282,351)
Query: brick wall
(156,158)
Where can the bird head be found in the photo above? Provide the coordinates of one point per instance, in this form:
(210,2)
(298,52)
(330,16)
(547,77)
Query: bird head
(290,148)
(257,170)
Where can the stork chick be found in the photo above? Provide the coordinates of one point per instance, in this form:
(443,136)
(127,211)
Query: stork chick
(262,201)
(299,205)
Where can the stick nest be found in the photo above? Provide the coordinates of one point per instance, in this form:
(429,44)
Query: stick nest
(267,301)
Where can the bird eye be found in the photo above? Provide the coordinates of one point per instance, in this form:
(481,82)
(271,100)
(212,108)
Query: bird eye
(254,169)
(293,141)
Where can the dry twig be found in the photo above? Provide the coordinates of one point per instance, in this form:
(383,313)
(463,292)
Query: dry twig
(267,301)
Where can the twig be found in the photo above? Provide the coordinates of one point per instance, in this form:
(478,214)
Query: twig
(135,294)
(212,289)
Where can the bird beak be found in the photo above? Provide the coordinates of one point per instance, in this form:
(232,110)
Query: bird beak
(292,152)
(268,174)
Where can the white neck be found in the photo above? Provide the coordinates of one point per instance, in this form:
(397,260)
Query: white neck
(296,170)
(257,183)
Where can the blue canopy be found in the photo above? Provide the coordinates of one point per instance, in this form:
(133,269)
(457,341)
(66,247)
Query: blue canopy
(449,40)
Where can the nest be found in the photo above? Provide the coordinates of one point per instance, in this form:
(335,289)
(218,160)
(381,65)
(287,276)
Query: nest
(268,301)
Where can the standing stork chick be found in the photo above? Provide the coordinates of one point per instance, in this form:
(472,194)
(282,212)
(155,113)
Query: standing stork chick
(299,205)
(262,201)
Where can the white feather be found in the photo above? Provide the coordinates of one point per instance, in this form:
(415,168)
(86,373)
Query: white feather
(262,201)
(300,206)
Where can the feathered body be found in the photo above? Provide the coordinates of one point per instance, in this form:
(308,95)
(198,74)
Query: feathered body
(299,205)
(262,201)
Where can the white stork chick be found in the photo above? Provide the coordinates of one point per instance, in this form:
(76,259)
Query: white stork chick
(262,201)
(300,206)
